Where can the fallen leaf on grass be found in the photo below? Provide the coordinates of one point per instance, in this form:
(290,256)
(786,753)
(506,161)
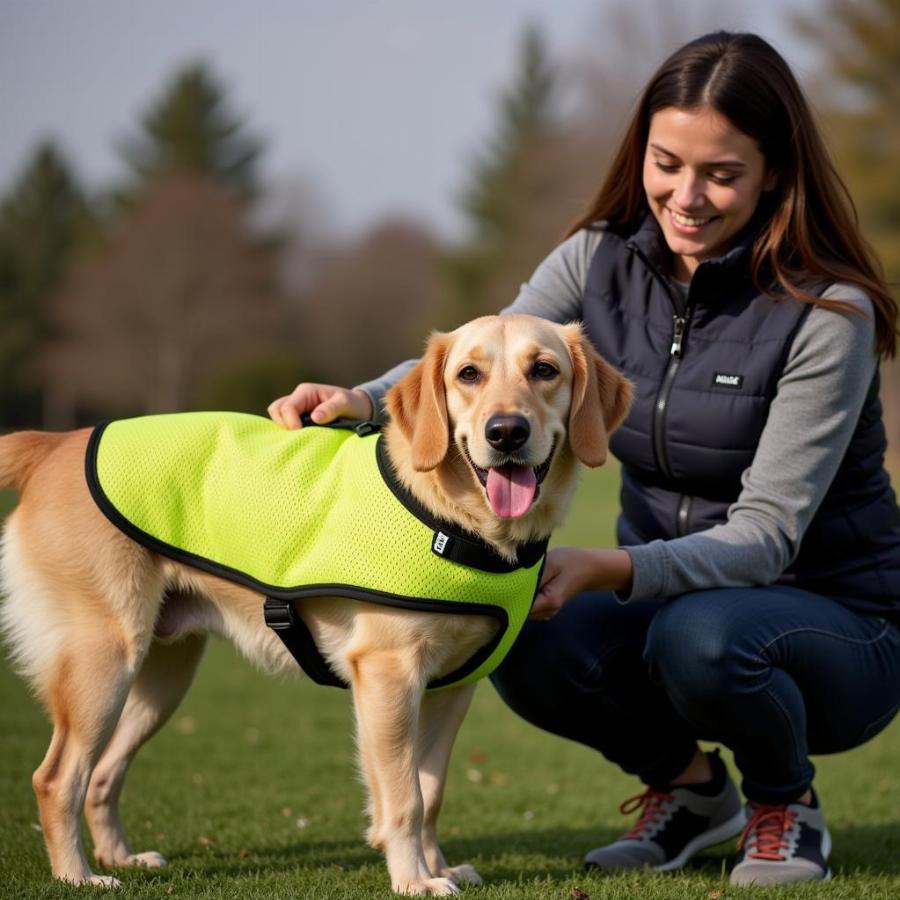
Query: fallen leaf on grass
(187,725)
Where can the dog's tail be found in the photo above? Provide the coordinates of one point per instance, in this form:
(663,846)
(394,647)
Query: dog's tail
(21,452)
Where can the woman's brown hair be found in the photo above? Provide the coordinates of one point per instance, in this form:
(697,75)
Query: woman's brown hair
(812,234)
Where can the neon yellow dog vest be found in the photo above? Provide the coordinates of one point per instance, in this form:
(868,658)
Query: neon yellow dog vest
(298,514)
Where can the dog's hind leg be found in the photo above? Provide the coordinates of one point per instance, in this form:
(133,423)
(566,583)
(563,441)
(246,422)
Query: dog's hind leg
(85,693)
(159,687)
(441,715)
(387,693)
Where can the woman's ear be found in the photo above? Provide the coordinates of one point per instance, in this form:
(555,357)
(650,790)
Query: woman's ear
(418,405)
(600,400)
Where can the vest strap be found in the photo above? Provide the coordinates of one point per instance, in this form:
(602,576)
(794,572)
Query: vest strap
(284,621)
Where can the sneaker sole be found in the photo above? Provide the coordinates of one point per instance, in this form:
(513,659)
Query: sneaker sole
(718,835)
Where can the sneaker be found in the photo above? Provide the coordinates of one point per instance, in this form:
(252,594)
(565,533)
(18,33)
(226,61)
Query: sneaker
(782,844)
(674,824)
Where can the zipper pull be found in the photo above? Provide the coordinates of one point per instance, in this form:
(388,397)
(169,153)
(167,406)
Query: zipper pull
(677,335)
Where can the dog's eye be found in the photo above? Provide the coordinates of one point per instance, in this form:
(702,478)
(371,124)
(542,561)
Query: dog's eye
(544,371)
(469,374)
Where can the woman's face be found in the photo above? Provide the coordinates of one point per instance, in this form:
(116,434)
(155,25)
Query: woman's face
(703,180)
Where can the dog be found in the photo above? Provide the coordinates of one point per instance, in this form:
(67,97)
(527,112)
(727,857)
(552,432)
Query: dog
(485,433)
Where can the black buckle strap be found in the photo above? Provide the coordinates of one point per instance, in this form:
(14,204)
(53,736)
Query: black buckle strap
(284,621)
(362,427)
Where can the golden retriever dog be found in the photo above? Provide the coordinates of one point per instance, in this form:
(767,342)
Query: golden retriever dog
(485,432)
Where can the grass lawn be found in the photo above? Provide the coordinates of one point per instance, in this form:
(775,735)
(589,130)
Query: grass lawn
(251,792)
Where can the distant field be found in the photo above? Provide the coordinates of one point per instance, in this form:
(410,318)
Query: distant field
(251,793)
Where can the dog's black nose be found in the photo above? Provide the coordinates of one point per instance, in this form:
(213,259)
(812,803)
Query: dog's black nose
(507,432)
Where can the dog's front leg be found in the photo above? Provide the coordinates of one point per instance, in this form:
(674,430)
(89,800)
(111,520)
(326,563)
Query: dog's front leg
(441,715)
(387,696)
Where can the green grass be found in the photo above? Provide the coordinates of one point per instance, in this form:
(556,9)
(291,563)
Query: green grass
(7,501)
(251,792)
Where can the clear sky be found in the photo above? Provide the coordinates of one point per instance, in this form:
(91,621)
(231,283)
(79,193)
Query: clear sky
(378,104)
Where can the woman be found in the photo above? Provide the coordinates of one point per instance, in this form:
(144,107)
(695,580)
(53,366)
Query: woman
(755,598)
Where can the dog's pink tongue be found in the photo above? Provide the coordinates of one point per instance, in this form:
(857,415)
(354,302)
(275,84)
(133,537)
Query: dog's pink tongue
(510,490)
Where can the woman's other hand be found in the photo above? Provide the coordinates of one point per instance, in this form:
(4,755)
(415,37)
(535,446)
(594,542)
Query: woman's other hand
(324,402)
(572,570)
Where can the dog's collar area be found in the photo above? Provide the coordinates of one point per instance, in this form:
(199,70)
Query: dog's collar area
(449,541)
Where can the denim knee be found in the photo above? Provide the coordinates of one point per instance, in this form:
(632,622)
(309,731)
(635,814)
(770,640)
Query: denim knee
(571,652)
(698,648)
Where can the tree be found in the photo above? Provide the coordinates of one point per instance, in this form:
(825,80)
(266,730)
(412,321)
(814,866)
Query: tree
(191,129)
(512,200)
(861,106)
(42,222)
(371,303)
(861,42)
(180,292)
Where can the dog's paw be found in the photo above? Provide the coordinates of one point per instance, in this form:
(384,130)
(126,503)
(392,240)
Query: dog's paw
(149,860)
(429,887)
(104,881)
(462,874)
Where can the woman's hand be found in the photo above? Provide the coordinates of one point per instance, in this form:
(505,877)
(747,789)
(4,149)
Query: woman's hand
(571,570)
(324,402)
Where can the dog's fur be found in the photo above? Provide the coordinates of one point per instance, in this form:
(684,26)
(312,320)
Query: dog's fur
(109,635)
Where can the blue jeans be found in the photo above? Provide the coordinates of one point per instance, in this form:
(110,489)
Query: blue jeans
(773,673)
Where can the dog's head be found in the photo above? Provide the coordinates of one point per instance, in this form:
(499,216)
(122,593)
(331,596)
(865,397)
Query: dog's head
(512,401)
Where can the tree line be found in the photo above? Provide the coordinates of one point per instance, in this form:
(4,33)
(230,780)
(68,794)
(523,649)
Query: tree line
(163,293)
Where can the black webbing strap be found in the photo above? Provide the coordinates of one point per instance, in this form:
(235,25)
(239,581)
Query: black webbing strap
(284,621)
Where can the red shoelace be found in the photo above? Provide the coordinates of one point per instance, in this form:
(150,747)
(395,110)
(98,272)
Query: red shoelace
(769,825)
(652,806)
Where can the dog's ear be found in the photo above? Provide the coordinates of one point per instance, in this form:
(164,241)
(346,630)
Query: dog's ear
(601,397)
(418,405)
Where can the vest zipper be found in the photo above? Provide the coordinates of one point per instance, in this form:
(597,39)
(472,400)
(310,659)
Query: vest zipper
(679,329)
(679,332)
(684,511)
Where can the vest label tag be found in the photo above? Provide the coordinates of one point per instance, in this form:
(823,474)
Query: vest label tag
(731,381)
(441,543)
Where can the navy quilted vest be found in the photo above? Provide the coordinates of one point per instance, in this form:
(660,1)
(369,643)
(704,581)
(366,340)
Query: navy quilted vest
(705,375)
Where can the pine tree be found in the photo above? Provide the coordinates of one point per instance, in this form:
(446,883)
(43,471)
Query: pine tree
(42,221)
(512,201)
(191,130)
(526,117)
(861,40)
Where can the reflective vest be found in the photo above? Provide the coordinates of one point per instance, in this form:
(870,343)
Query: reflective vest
(298,514)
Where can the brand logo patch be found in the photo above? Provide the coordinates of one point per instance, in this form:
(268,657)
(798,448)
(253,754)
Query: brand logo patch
(732,381)
(439,545)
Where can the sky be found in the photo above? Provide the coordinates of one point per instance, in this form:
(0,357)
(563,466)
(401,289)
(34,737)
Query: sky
(373,107)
